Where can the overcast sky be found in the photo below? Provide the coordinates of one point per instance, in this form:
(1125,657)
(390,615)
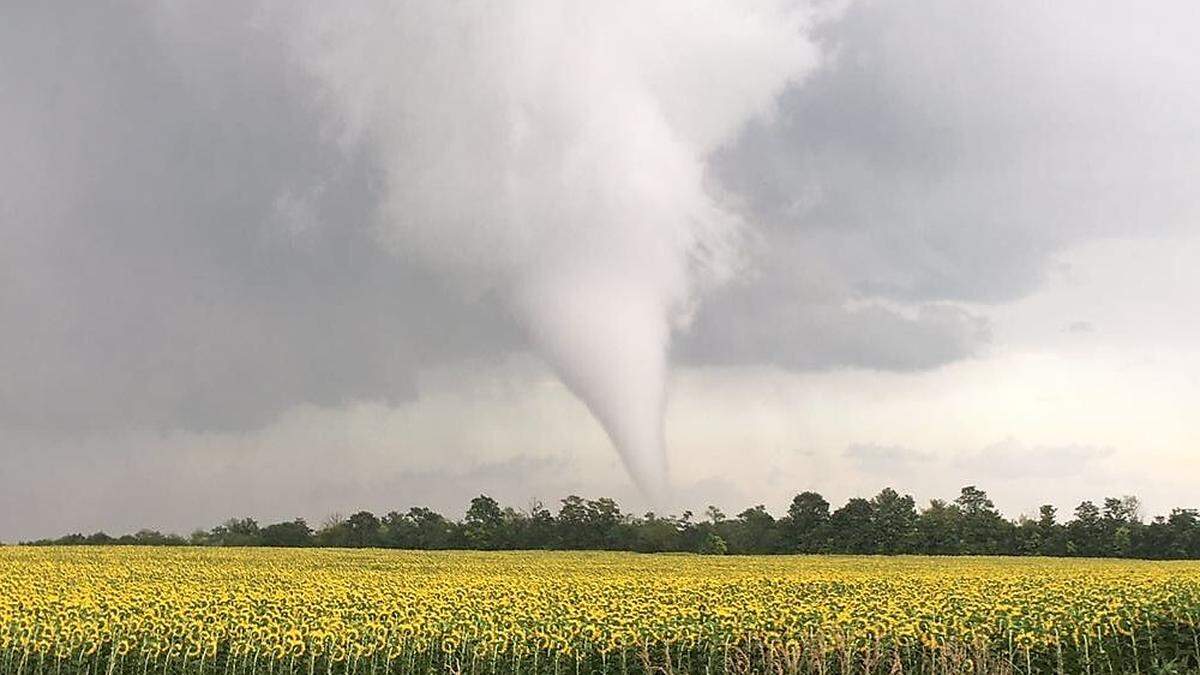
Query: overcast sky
(266,261)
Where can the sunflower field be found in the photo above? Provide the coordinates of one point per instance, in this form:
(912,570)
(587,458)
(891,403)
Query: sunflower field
(109,611)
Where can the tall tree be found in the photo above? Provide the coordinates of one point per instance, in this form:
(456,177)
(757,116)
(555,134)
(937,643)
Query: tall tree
(939,529)
(895,522)
(1184,527)
(483,524)
(236,532)
(852,527)
(984,530)
(291,534)
(362,530)
(807,520)
(539,527)
(714,515)
(588,524)
(1085,534)
(1052,537)
(432,530)
(397,531)
(1118,521)
(653,534)
(755,532)
(885,524)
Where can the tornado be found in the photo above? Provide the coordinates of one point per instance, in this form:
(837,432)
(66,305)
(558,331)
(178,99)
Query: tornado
(607,341)
(552,155)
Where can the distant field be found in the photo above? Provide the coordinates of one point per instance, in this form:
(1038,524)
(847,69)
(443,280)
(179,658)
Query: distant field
(166,610)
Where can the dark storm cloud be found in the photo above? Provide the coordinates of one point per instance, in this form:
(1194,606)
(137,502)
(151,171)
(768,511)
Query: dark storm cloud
(947,152)
(184,248)
(741,327)
(186,245)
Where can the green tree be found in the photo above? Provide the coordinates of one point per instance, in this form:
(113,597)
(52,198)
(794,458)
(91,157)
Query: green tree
(653,534)
(332,532)
(540,528)
(713,544)
(852,527)
(291,534)
(895,522)
(1119,521)
(397,531)
(1085,534)
(807,520)
(714,515)
(363,530)
(939,529)
(483,525)
(1052,538)
(431,530)
(756,532)
(236,532)
(885,524)
(1184,528)
(588,524)
(573,523)
(984,531)
(1027,539)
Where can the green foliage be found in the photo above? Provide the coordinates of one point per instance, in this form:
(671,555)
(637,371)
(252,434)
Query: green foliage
(296,533)
(713,544)
(888,523)
(808,522)
(484,526)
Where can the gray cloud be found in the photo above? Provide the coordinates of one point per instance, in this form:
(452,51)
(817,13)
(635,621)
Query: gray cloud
(887,460)
(188,243)
(741,328)
(947,153)
(1020,476)
(1012,460)
(161,269)
(199,487)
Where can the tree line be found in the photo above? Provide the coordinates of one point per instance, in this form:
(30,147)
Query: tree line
(889,523)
